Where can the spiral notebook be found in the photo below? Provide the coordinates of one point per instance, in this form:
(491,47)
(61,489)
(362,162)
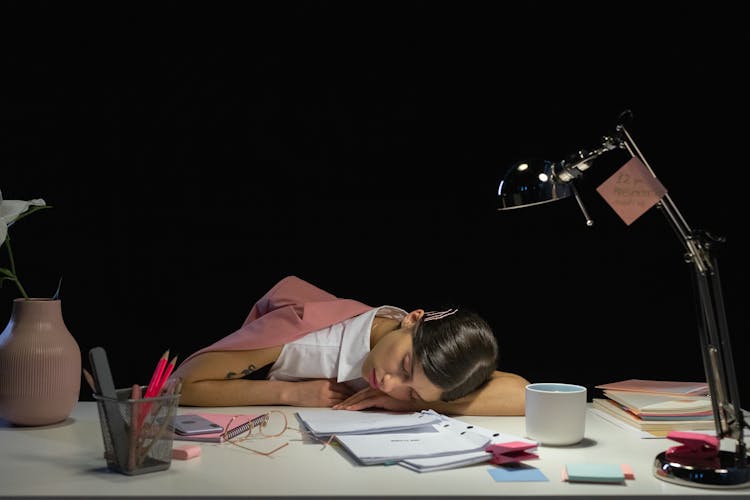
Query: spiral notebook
(240,424)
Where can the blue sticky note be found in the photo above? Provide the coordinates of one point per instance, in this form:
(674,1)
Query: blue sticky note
(516,473)
(595,473)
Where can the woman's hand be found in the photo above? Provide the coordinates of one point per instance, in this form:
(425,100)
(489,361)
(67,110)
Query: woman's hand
(318,392)
(374,398)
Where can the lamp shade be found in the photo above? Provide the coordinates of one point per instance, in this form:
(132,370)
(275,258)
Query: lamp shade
(530,182)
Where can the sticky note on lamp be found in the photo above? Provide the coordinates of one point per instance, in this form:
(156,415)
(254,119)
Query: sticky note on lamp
(632,190)
(595,473)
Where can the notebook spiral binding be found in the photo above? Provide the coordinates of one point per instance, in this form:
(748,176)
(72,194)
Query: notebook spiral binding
(258,421)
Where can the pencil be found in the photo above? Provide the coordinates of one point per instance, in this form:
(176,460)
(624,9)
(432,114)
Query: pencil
(152,386)
(156,377)
(135,426)
(89,379)
(165,376)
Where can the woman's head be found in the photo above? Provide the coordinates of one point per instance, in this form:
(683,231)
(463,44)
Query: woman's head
(433,356)
(456,349)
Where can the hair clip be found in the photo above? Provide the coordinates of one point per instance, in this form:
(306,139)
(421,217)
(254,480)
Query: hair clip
(432,315)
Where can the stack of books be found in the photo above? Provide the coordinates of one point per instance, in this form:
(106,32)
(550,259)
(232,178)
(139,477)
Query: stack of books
(657,406)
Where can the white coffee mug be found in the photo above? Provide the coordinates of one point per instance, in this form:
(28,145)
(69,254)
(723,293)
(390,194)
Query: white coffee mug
(555,413)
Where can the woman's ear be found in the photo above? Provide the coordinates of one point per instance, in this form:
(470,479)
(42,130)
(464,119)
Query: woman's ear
(411,319)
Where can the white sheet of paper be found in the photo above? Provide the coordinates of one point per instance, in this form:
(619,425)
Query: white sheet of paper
(341,422)
(379,448)
(429,464)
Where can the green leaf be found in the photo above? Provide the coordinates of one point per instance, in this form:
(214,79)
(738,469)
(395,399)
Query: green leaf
(8,273)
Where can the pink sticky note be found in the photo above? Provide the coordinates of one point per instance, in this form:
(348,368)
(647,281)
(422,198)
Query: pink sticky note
(632,190)
(512,451)
(627,471)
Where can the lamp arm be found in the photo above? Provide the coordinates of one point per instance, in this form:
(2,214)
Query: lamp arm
(671,212)
(573,167)
(713,328)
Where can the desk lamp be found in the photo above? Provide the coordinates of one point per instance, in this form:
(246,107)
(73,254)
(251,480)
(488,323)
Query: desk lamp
(538,181)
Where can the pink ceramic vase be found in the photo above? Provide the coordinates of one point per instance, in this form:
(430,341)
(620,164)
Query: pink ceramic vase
(40,365)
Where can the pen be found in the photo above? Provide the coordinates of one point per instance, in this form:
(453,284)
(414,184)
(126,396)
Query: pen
(156,377)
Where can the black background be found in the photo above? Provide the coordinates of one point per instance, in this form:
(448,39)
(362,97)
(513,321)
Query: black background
(196,153)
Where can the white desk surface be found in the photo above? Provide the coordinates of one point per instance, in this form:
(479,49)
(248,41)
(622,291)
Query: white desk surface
(67,460)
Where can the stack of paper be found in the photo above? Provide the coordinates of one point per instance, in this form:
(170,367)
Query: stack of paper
(394,447)
(659,387)
(657,406)
(429,464)
(422,441)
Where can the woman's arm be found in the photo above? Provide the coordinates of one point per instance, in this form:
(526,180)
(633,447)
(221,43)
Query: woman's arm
(215,379)
(503,395)
(317,393)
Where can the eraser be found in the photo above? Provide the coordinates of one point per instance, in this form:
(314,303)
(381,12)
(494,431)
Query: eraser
(186,452)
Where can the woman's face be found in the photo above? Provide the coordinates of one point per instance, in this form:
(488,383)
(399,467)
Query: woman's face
(390,367)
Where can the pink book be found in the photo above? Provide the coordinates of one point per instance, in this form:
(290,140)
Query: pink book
(665,387)
(240,424)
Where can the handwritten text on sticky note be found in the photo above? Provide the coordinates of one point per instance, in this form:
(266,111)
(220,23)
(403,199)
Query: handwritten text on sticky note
(632,190)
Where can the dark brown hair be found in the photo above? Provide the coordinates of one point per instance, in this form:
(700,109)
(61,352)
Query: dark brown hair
(458,352)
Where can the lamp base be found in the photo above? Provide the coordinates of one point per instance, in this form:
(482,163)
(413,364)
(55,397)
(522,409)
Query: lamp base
(722,472)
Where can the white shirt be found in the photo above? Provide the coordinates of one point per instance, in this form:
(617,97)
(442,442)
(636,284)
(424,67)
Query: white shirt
(334,352)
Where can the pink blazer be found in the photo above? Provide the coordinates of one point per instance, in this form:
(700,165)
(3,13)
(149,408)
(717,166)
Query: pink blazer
(290,310)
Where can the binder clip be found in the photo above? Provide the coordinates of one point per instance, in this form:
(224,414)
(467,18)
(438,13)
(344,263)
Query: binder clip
(512,451)
(695,448)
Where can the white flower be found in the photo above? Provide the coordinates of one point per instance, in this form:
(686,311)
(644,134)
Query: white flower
(10,210)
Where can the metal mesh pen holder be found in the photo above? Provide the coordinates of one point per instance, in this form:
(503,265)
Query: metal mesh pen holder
(136,433)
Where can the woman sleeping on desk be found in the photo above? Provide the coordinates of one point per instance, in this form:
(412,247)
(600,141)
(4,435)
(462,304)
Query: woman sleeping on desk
(302,346)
